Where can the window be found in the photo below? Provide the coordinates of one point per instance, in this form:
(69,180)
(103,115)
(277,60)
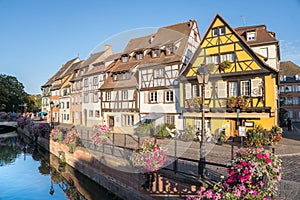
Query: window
(68,116)
(124,95)
(125,59)
(140,56)
(68,104)
(97,113)
(188,56)
(95,97)
(222,89)
(95,80)
(188,91)
(256,87)
(195,91)
(214,32)
(290,114)
(295,101)
(229,57)
(127,120)
(251,36)
(289,101)
(65,117)
(170,51)
(233,89)
(86,98)
(155,53)
(169,96)
(115,77)
(85,82)
(222,30)
(245,89)
(170,119)
(213,59)
(62,105)
(159,73)
(91,113)
(108,96)
(153,97)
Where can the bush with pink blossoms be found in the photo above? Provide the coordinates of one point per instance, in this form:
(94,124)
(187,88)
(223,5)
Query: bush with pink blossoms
(255,174)
(102,134)
(150,156)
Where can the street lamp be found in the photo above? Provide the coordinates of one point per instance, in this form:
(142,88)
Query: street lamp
(202,77)
(51,107)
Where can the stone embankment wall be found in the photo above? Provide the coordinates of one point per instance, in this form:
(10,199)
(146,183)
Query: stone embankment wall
(123,184)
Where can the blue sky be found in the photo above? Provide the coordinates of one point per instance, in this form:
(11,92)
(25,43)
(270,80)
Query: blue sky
(38,36)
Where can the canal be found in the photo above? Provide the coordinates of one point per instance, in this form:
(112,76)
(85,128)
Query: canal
(28,172)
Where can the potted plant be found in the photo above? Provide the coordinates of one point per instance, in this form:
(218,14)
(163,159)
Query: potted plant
(149,156)
(224,65)
(221,139)
(231,102)
(56,135)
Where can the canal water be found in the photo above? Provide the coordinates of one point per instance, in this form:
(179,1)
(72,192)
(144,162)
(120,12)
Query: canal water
(28,172)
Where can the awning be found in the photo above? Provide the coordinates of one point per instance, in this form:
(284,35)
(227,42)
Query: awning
(43,113)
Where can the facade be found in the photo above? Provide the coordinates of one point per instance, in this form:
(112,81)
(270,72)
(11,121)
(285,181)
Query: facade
(236,93)
(169,51)
(289,91)
(92,78)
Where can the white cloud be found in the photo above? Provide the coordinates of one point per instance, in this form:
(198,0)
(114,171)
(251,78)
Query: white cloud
(290,51)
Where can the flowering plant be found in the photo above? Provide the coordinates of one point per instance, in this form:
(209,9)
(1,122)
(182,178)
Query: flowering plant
(56,135)
(194,102)
(72,137)
(102,134)
(254,175)
(21,122)
(150,156)
(275,135)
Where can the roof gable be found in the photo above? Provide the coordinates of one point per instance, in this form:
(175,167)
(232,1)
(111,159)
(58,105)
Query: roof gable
(222,43)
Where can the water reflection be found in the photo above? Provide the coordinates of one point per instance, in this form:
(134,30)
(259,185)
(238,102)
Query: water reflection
(29,172)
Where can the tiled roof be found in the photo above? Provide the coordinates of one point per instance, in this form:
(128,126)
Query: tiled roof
(124,66)
(289,68)
(91,59)
(262,34)
(139,43)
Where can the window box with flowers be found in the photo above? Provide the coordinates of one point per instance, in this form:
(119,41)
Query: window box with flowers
(56,135)
(194,103)
(241,102)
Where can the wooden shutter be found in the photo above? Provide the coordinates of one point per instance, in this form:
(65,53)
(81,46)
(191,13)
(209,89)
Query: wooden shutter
(188,89)
(256,87)
(222,89)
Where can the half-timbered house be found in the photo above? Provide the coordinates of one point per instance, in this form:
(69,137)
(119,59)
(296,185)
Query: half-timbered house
(242,87)
(170,49)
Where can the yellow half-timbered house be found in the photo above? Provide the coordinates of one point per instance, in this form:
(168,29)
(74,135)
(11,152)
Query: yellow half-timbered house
(242,88)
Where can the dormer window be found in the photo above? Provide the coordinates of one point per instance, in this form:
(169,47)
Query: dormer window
(222,30)
(218,31)
(125,58)
(140,56)
(251,36)
(155,53)
(122,76)
(214,32)
(170,51)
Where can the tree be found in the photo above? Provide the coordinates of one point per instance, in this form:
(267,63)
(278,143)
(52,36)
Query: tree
(12,94)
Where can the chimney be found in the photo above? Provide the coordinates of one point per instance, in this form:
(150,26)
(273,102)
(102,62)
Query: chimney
(107,47)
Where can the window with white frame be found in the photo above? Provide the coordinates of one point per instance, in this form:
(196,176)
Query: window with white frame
(195,91)
(228,56)
(159,73)
(95,80)
(108,96)
(127,120)
(295,100)
(97,113)
(233,89)
(214,32)
(68,104)
(86,82)
(170,119)
(91,113)
(245,88)
(124,95)
(251,36)
(125,58)
(86,98)
(222,30)
(96,97)
(153,97)
(197,124)
(188,91)
(140,56)
(68,117)
(215,59)
(169,96)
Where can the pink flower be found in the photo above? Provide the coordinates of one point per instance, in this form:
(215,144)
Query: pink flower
(208,194)
(237,192)
(259,155)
